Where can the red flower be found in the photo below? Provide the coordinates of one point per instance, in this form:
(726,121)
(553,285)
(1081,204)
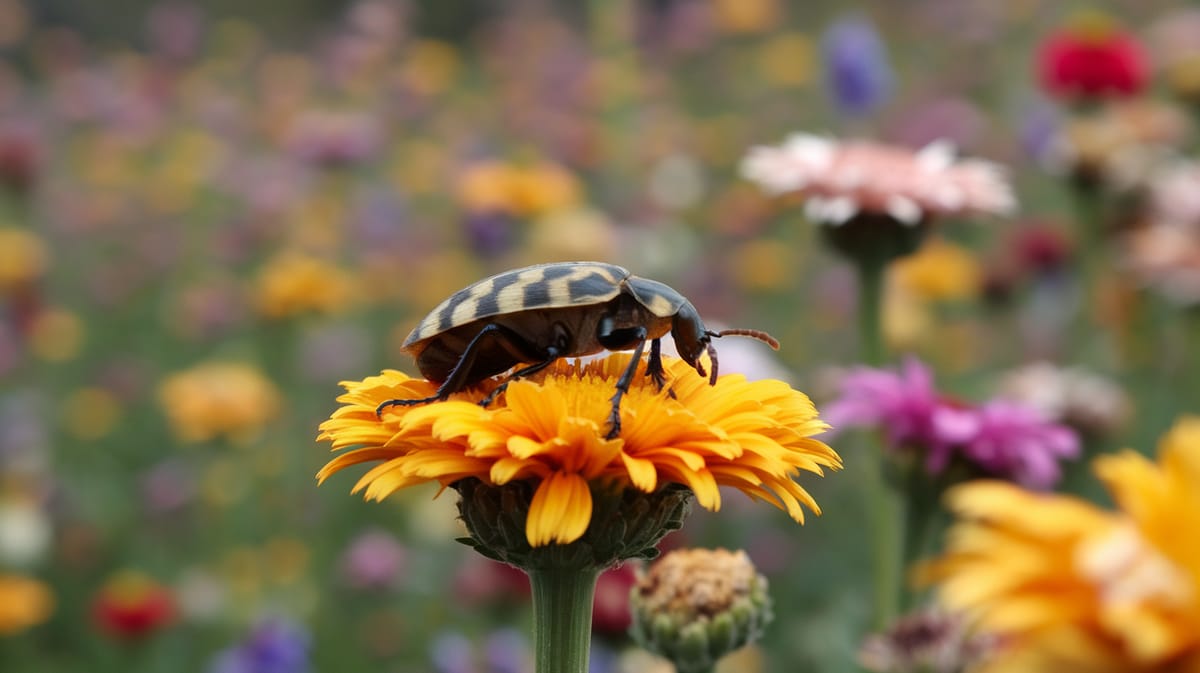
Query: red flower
(1092,59)
(131,605)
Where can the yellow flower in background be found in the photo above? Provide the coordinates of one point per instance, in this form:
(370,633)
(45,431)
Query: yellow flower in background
(940,271)
(24,602)
(788,60)
(543,187)
(294,283)
(218,399)
(523,190)
(1071,587)
(570,234)
(746,16)
(23,257)
(550,430)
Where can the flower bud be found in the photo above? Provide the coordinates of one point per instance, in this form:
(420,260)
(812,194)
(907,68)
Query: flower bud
(697,605)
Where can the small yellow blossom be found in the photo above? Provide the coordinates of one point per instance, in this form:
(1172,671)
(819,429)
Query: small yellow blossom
(746,16)
(218,399)
(788,60)
(24,603)
(940,271)
(293,284)
(1071,587)
(23,257)
(551,430)
(519,189)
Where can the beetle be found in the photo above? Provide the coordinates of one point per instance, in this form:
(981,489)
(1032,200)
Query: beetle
(537,314)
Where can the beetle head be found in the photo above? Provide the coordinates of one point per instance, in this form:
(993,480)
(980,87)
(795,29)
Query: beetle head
(692,340)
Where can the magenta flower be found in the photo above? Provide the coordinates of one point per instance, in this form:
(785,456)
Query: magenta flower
(1016,442)
(1001,438)
(904,405)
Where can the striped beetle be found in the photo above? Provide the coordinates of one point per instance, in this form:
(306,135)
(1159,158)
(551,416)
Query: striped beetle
(538,314)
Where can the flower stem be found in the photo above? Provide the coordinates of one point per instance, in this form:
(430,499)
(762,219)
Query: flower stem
(870,310)
(885,505)
(562,618)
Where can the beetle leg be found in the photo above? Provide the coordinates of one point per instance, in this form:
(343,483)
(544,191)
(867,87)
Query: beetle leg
(552,354)
(655,369)
(458,378)
(623,383)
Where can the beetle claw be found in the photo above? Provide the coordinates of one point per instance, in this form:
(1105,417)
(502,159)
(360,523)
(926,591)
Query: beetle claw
(491,397)
(404,403)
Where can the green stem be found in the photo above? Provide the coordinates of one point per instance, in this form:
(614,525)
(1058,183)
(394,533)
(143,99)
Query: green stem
(885,506)
(562,618)
(1089,208)
(870,310)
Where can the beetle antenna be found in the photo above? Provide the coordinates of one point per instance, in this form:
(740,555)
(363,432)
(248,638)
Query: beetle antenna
(752,333)
(712,355)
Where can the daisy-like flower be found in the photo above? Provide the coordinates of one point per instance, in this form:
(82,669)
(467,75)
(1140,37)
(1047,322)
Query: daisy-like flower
(841,180)
(1067,586)
(1120,146)
(1015,441)
(218,399)
(1075,396)
(549,432)
(998,438)
(294,284)
(904,404)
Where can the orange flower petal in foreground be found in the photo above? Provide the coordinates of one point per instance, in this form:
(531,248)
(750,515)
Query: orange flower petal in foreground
(550,430)
(1070,587)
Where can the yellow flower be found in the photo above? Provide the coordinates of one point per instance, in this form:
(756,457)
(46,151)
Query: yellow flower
(1071,587)
(217,398)
(940,271)
(294,283)
(538,188)
(24,602)
(22,257)
(551,430)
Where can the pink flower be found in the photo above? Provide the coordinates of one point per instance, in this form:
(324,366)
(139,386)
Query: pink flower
(1001,438)
(374,560)
(1016,442)
(843,179)
(904,405)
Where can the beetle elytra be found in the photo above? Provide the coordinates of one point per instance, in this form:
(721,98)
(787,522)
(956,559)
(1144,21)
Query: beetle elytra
(537,314)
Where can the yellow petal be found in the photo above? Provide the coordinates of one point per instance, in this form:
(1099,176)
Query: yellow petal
(560,511)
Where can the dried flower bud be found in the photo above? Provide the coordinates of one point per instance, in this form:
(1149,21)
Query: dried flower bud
(697,605)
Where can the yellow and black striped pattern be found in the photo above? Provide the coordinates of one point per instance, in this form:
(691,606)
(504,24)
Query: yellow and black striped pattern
(553,285)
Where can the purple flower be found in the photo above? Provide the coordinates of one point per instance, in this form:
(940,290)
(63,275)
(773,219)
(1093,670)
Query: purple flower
(452,652)
(507,651)
(903,404)
(857,73)
(1002,438)
(373,560)
(272,647)
(1015,441)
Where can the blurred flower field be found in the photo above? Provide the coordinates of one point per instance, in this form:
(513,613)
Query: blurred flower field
(974,227)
